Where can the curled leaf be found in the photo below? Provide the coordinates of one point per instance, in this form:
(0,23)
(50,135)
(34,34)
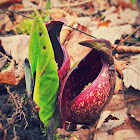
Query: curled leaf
(44,69)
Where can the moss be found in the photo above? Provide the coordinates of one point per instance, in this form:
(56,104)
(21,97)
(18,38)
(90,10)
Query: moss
(71,135)
(24,27)
(58,136)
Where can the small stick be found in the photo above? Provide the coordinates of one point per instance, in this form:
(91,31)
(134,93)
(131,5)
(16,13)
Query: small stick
(125,102)
(5,56)
(118,56)
(47,22)
(115,49)
(72,5)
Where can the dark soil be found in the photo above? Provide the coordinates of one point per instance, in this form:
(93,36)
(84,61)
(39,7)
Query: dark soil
(18,121)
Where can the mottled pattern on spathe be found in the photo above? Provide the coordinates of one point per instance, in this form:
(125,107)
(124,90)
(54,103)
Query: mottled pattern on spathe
(85,109)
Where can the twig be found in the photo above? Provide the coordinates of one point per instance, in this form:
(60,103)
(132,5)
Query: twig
(47,22)
(31,9)
(72,5)
(18,13)
(18,104)
(115,49)
(9,123)
(125,102)
(5,56)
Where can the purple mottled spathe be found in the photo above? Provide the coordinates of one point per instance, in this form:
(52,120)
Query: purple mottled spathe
(82,106)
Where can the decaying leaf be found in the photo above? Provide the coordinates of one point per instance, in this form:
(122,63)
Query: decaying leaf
(102,136)
(116,118)
(116,103)
(6,3)
(28,4)
(56,13)
(104,23)
(133,102)
(112,33)
(85,21)
(5,22)
(13,74)
(127,16)
(119,85)
(76,51)
(7,76)
(127,134)
(131,75)
(103,116)
(16,46)
(66,30)
(119,65)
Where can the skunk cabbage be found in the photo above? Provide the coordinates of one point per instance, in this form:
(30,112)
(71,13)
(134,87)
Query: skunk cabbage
(44,52)
(88,86)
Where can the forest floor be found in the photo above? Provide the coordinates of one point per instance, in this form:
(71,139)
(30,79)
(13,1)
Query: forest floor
(116,21)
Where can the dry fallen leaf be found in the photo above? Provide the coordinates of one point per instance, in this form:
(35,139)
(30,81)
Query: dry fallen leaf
(102,136)
(6,3)
(28,4)
(104,23)
(112,33)
(65,31)
(76,51)
(5,22)
(115,119)
(103,116)
(127,134)
(112,107)
(116,103)
(109,11)
(119,65)
(125,3)
(16,46)
(85,21)
(131,75)
(101,4)
(127,16)
(7,76)
(133,98)
(119,85)
(56,13)
(56,3)
(13,74)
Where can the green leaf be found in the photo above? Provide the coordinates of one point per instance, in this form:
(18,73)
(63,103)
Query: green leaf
(133,1)
(44,69)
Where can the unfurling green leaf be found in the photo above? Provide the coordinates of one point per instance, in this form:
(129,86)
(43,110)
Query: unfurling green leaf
(28,77)
(44,69)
